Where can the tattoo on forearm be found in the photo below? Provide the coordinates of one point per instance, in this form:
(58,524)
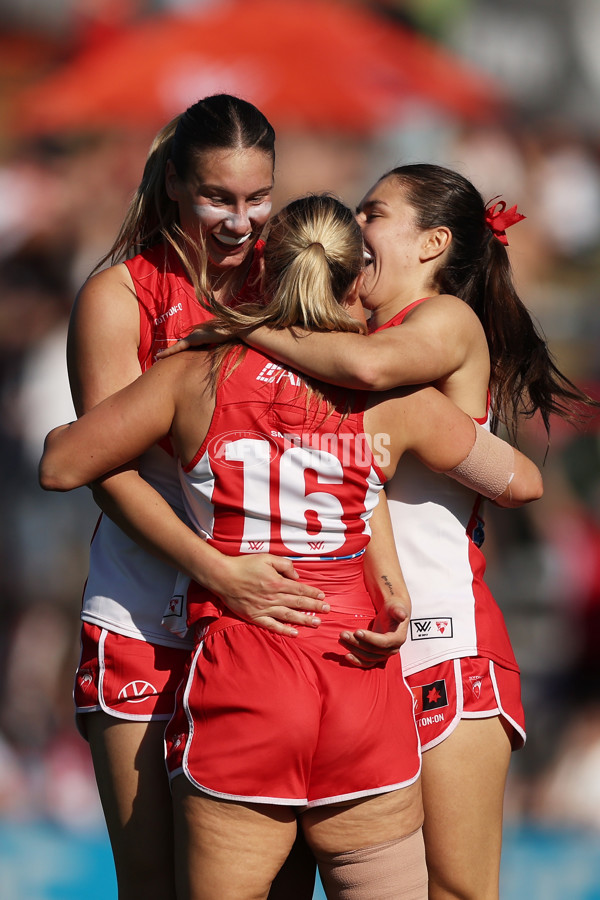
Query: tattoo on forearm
(388,584)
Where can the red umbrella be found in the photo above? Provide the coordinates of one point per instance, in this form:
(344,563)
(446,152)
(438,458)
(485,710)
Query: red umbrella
(319,64)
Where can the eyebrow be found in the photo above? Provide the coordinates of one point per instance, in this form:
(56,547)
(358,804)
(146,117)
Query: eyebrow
(203,186)
(370,204)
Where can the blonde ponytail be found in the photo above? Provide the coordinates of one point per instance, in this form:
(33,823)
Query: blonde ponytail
(313,253)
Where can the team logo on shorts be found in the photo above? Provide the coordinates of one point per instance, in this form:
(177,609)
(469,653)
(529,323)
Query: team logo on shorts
(175,607)
(137,691)
(424,629)
(178,741)
(476,682)
(85,679)
(434,695)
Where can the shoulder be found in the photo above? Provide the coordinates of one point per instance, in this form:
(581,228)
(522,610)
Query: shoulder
(449,317)
(185,376)
(106,309)
(107,300)
(188,365)
(104,284)
(444,307)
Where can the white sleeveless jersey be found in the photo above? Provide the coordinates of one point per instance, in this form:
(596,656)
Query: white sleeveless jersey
(437,525)
(438,529)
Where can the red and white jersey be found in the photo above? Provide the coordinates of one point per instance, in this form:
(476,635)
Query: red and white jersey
(127,589)
(273,476)
(438,527)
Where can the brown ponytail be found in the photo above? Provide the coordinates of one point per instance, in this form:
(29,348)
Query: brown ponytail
(524,378)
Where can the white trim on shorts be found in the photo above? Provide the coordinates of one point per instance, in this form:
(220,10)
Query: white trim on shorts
(460,699)
(101,705)
(302,802)
(483,714)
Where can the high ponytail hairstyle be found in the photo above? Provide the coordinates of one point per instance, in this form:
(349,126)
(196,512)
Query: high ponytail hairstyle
(219,122)
(524,378)
(313,253)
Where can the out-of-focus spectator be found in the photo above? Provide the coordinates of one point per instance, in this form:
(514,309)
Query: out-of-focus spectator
(568,794)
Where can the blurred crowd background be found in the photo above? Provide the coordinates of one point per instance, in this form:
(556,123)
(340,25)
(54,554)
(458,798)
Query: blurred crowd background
(507,93)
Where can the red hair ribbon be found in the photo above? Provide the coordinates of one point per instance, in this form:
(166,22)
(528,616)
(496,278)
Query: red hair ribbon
(498,218)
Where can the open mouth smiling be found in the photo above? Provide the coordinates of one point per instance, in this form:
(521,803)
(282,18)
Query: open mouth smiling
(230,240)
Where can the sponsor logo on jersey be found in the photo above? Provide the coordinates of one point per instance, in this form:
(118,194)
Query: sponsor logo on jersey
(424,629)
(316,545)
(271,373)
(137,691)
(175,607)
(170,312)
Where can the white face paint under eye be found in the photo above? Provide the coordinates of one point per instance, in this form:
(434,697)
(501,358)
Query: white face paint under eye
(254,218)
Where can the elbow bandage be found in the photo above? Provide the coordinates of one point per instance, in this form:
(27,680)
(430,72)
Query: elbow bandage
(490,466)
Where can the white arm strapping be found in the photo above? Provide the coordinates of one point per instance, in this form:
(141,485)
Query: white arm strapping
(490,466)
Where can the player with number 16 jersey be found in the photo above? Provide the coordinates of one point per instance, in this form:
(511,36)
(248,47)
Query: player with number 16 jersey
(303,472)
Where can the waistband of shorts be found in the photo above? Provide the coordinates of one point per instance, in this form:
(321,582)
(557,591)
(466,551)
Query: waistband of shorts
(225,620)
(339,576)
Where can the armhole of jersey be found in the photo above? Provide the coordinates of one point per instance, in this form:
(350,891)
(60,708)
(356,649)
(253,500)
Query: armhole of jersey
(381,476)
(214,422)
(483,420)
(399,318)
(145,339)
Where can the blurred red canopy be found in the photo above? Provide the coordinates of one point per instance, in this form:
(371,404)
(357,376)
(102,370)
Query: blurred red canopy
(318,64)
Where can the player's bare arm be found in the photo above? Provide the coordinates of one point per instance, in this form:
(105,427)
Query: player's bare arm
(264,589)
(431,344)
(436,341)
(386,585)
(443,437)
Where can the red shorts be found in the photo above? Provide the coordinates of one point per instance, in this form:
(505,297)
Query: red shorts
(469,688)
(266,718)
(126,678)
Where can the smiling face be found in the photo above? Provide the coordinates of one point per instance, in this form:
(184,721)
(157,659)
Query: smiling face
(393,245)
(228,199)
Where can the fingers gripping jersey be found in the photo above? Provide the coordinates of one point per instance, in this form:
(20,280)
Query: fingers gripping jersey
(275,476)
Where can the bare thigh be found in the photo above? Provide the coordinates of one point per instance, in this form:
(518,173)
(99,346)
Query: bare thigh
(226,849)
(296,878)
(134,789)
(463,781)
(363,823)
(372,847)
